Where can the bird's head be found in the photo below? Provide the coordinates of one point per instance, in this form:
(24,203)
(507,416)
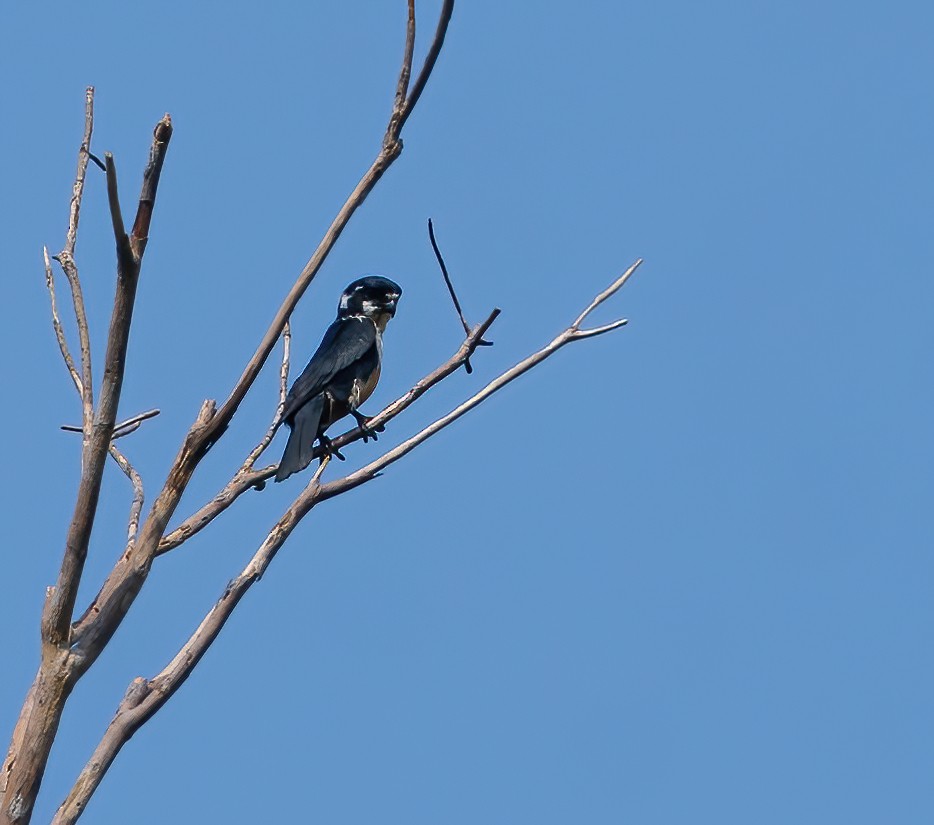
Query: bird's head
(372,297)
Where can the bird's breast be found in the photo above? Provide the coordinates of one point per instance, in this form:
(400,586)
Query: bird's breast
(364,385)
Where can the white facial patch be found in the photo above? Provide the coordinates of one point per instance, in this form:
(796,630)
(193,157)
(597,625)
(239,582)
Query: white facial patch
(345,298)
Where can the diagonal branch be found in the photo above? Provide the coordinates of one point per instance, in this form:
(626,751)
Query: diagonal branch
(246,477)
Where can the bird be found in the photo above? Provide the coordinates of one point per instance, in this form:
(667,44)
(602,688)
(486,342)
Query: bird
(342,373)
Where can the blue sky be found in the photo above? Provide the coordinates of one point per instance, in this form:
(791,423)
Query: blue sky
(680,573)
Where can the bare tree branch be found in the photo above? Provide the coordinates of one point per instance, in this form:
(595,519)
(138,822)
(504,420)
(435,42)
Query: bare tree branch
(402,87)
(59,331)
(284,369)
(70,268)
(84,152)
(136,505)
(67,259)
(430,59)
(450,286)
(126,262)
(131,425)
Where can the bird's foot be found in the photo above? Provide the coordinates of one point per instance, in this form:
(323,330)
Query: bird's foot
(329,448)
(363,422)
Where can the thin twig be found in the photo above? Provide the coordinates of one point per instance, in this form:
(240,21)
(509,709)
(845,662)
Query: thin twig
(430,59)
(123,428)
(284,369)
(57,326)
(457,304)
(67,260)
(70,268)
(136,480)
(447,278)
(402,86)
(611,290)
(126,261)
(84,152)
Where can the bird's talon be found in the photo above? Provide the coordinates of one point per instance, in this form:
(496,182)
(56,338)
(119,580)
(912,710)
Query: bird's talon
(330,449)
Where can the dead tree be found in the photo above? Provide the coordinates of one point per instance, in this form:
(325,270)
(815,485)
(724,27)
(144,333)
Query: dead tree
(69,645)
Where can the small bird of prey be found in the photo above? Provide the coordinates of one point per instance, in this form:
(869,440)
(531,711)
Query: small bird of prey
(342,373)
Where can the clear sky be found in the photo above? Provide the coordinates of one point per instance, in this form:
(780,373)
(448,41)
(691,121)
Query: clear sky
(678,574)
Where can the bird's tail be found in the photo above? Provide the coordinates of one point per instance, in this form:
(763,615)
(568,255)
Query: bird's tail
(301,444)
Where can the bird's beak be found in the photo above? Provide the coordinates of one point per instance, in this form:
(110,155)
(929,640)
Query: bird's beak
(393,303)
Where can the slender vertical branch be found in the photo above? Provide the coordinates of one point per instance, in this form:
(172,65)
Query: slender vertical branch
(67,259)
(402,86)
(59,330)
(431,58)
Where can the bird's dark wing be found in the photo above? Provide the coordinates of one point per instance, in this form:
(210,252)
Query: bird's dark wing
(344,342)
